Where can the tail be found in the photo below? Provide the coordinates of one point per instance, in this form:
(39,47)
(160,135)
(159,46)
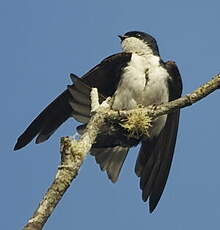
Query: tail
(110,160)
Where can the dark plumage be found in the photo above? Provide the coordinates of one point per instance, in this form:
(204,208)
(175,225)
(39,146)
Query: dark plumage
(110,150)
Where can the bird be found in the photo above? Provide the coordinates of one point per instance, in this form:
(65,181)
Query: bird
(135,76)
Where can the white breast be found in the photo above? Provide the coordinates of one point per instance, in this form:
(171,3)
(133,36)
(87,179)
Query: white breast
(143,82)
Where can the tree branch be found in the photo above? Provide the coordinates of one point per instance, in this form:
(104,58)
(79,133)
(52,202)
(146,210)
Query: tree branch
(73,152)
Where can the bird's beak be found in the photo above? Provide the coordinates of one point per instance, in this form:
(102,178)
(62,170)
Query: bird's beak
(122,37)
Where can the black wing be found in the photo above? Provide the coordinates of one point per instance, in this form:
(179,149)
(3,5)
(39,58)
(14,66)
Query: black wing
(75,101)
(155,156)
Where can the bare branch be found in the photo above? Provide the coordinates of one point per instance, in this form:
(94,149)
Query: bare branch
(73,152)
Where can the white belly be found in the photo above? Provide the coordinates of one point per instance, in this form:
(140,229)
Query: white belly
(136,89)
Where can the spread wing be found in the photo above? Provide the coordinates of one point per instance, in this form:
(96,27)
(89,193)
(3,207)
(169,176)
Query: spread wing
(155,156)
(75,101)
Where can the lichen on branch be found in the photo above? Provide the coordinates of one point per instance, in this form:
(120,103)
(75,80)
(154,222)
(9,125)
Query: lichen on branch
(137,124)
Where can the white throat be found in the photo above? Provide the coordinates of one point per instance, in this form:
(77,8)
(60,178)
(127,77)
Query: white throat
(135,45)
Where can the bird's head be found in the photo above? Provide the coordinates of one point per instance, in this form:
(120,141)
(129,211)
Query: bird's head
(139,42)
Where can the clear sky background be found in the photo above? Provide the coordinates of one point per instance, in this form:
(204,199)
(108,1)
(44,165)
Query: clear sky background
(41,42)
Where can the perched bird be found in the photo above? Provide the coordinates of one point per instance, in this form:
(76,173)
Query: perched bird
(136,76)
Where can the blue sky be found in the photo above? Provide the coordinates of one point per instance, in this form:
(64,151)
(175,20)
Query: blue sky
(41,42)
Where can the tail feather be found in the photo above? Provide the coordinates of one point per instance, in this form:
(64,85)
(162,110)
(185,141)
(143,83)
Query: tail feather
(111,160)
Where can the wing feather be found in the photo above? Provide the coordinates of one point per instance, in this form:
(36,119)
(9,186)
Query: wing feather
(104,76)
(155,156)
